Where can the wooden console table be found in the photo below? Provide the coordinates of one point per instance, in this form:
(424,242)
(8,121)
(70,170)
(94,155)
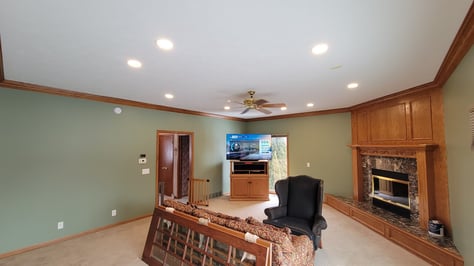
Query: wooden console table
(437,251)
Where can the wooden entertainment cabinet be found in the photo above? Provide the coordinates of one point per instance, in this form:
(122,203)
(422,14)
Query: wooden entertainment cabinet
(249,180)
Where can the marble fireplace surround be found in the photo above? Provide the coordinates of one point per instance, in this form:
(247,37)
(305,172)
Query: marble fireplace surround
(416,160)
(393,164)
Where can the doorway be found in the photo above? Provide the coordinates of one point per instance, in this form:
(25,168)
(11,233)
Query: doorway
(174,160)
(278,165)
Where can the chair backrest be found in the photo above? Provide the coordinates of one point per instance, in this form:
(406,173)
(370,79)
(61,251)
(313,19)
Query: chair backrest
(302,194)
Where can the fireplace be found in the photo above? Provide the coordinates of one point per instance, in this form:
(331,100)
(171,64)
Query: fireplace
(391,183)
(390,190)
(416,160)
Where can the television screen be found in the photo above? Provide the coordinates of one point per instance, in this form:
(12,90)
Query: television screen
(248,147)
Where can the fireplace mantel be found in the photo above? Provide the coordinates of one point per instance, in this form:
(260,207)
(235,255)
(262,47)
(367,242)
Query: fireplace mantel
(423,153)
(402,151)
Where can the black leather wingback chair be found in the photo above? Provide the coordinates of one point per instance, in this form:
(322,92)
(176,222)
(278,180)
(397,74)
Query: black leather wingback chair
(300,207)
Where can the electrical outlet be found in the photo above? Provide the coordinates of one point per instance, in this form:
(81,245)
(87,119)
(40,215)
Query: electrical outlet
(114,212)
(60,225)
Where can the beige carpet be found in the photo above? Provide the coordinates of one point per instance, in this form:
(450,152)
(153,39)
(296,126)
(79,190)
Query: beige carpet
(345,242)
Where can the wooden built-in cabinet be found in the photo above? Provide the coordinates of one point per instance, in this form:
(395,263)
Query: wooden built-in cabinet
(407,122)
(249,180)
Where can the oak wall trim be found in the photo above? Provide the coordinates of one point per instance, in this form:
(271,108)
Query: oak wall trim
(59,240)
(68,93)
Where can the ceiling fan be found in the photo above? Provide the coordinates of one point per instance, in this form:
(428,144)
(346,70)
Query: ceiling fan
(259,105)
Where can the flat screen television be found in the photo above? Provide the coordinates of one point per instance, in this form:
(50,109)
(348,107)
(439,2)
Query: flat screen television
(248,147)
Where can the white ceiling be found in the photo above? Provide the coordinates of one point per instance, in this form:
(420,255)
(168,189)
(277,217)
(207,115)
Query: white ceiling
(223,48)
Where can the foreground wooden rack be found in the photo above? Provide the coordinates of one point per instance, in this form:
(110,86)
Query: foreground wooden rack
(176,238)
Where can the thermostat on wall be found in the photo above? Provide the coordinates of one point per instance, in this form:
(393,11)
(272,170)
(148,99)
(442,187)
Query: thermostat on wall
(142,159)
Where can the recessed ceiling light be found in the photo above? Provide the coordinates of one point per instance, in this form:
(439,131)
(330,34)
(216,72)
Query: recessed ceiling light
(164,44)
(283,108)
(352,85)
(309,104)
(227,107)
(320,49)
(134,63)
(169,96)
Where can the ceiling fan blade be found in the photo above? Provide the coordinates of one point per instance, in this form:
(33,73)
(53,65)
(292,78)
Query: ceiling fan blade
(245,111)
(260,101)
(265,111)
(273,105)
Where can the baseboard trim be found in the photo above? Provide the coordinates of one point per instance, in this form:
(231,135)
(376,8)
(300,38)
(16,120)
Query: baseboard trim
(62,239)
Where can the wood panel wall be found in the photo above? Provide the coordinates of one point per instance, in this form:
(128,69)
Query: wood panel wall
(413,118)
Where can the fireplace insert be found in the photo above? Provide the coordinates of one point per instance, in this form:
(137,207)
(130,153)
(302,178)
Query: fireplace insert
(390,190)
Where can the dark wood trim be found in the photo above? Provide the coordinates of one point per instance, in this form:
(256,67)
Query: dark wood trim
(59,240)
(69,93)
(421,88)
(461,45)
(305,114)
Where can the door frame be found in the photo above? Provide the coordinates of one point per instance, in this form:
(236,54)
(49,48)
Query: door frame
(191,163)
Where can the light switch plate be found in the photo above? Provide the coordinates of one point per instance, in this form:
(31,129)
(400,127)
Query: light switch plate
(146,171)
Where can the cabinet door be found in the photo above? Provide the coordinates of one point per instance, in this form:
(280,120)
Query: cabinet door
(258,187)
(240,187)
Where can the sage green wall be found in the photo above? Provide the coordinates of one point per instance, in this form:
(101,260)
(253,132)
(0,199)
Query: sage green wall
(74,160)
(458,100)
(320,140)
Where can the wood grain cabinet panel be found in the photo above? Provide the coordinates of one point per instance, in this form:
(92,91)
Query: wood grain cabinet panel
(362,127)
(421,124)
(369,221)
(388,123)
(420,248)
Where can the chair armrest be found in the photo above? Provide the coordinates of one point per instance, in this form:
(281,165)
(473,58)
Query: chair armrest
(319,224)
(275,212)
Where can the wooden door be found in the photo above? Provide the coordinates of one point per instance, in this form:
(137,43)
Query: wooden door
(165,162)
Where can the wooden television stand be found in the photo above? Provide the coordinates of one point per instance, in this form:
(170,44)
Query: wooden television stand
(249,180)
